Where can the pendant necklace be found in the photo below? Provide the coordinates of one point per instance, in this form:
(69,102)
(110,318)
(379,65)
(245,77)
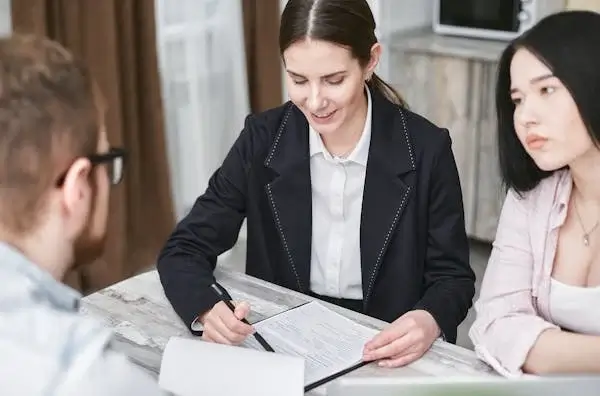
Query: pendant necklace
(586,234)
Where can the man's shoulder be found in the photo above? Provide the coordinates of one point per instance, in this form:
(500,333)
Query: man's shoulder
(64,352)
(49,346)
(49,331)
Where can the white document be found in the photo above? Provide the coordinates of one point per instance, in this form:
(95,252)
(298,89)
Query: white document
(328,341)
(192,367)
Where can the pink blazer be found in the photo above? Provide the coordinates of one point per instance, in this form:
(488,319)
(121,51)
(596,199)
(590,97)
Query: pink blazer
(513,306)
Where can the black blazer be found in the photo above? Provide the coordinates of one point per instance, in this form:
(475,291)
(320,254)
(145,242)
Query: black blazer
(414,249)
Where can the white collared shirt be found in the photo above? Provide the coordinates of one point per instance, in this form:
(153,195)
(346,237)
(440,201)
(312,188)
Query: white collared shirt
(337,194)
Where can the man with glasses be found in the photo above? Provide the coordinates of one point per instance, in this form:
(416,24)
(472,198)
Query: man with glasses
(56,172)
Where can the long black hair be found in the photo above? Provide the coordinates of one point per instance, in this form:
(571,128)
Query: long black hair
(568,43)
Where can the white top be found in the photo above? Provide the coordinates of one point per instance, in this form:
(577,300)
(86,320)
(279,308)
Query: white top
(337,193)
(575,308)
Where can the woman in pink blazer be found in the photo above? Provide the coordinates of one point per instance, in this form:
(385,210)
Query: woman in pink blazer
(539,306)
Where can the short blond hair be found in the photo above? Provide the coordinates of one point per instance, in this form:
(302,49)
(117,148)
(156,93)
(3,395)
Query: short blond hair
(48,118)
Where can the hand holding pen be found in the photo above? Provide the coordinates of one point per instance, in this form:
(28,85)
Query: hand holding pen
(226,323)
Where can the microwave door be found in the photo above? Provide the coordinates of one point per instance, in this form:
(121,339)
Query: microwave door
(494,19)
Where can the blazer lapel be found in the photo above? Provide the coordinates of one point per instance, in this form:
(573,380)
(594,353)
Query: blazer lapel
(385,192)
(289,193)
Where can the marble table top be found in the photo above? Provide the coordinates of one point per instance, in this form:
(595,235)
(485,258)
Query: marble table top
(143,320)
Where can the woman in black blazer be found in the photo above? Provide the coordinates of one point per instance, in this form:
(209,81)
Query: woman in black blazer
(348,196)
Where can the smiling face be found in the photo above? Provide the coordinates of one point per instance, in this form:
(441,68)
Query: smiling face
(327,84)
(546,118)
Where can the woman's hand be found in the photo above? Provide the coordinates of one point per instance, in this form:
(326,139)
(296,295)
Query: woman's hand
(404,340)
(225,327)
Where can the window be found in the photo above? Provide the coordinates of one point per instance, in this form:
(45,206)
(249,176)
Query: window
(203,70)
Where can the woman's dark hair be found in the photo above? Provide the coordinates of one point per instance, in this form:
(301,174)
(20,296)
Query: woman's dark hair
(568,43)
(348,23)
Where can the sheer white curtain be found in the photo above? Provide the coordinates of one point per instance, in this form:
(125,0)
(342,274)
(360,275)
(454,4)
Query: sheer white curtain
(203,70)
(5,18)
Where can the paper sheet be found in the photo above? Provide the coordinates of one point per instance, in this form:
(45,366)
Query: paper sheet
(327,340)
(192,367)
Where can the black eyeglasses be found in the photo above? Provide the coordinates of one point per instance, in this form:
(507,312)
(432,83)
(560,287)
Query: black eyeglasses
(114,158)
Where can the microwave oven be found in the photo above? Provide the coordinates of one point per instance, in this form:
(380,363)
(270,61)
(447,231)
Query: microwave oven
(490,19)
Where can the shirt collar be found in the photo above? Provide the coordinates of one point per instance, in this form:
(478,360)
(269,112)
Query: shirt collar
(360,154)
(45,287)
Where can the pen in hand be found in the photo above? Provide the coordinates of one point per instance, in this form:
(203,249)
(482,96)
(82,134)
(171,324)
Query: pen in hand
(224,296)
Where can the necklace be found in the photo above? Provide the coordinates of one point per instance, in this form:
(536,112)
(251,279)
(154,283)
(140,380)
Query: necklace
(586,234)
(346,153)
(343,155)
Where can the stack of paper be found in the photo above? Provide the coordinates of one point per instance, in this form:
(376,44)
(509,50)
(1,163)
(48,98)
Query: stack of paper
(194,367)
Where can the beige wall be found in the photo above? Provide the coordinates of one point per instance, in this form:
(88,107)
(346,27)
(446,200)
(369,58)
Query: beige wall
(584,4)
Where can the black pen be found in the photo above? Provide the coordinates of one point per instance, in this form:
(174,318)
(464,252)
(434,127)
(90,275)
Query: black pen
(226,298)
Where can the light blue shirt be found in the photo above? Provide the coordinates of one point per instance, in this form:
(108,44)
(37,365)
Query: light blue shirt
(47,347)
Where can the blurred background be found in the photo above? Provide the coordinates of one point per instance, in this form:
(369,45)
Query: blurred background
(180,76)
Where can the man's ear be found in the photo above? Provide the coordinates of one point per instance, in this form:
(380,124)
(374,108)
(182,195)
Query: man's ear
(76,189)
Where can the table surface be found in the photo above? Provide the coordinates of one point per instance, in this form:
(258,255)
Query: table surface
(143,321)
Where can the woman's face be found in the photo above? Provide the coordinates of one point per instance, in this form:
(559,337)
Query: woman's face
(326,83)
(546,118)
